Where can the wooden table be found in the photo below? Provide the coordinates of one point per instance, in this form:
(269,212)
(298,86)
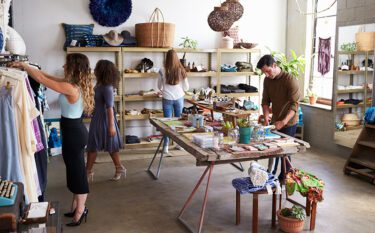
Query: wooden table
(232,116)
(209,158)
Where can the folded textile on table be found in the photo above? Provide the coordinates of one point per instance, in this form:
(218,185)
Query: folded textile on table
(258,174)
(244,184)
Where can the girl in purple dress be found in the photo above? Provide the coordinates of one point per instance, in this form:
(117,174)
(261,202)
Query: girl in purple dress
(104,133)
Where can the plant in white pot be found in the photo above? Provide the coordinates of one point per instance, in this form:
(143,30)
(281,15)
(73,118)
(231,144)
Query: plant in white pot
(291,220)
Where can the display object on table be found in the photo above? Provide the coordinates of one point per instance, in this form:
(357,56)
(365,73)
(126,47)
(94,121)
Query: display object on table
(196,120)
(233,33)
(244,45)
(245,130)
(8,192)
(155,33)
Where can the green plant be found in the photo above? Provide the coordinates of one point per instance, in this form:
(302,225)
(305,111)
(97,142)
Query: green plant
(349,47)
(228,125)
(188,43)
(294,66)
(243,123)
(296,212)
(310,93)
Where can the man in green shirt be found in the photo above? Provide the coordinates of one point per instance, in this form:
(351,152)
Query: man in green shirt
(281,92)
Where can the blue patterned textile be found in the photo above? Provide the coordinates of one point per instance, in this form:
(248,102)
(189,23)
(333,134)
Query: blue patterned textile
(110,13)
(244,185)
(76,32)
(93,40)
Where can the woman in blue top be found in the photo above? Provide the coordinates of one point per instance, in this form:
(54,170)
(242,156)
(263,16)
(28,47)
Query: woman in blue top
(104,134)
(76,97)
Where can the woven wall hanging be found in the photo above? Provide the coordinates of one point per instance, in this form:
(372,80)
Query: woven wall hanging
(110,13)
(234,6)
(220,19)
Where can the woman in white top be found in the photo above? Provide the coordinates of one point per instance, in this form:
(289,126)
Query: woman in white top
(173,85)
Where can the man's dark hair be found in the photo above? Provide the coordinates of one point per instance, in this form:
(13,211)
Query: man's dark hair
(266,60)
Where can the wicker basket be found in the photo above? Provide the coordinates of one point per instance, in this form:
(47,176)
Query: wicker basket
(220,19)
(235,7)
(155,33)
(365,41)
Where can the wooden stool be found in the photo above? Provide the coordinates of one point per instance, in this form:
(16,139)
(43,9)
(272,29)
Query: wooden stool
(243,189)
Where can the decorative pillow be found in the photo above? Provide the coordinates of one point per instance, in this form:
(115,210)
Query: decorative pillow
(93,40)
(76,32)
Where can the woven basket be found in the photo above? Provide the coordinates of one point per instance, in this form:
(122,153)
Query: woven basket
(156,33)
(235,7)
(220,19)
(365,41)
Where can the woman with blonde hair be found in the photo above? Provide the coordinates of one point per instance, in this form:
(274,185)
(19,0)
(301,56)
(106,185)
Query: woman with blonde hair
(173,84)
(76,97)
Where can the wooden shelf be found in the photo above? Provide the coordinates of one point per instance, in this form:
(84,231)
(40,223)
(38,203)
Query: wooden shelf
(355,52)
(140,75)
(143,144)
(117,98)
(238,50)
(231,74)
(93,49)
(144,49)
(239,94)
(364,162)
(142,116)
(370,144)
(141,98)
(202,74)
(182,50)
(361,105)
(348,72)
(350,91)
(370,126)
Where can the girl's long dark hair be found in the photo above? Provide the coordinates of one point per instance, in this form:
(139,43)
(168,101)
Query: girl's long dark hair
(106,73)
(174,71)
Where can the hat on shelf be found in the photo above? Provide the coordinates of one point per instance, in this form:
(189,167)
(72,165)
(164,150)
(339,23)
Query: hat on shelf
(113,38)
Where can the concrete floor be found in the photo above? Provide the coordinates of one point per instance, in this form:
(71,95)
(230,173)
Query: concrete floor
(140,204)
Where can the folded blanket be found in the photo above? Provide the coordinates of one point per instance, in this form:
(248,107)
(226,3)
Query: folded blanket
(258,174)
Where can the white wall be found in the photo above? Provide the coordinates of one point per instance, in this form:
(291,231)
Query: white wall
(39,23)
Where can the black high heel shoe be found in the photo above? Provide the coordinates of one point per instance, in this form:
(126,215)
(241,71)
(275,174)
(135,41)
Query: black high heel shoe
(70,214)
(84,215)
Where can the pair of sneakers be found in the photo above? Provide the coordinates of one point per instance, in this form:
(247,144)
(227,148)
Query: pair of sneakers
(166,149)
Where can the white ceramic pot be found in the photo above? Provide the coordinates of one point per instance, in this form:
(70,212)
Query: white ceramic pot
(227,42)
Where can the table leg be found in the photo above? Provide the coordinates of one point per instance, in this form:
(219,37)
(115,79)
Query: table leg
(313,216)
(255,213)
(240,167)
(238,207)
(208,169)
(152,161)
(274,202)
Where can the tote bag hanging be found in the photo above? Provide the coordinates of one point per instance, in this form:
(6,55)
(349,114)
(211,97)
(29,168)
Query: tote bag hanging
(156,33)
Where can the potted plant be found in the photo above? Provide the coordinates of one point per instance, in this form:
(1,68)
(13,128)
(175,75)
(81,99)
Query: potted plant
(294,66)
(187,43)
(291,220)
(245,130)
(227,125)
(312,96)
(349,48)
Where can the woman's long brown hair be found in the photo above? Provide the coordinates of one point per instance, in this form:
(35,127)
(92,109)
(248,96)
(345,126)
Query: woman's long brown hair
(174,71)
(78,72)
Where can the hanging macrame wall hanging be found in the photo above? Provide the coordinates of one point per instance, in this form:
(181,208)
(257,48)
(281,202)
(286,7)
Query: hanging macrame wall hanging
(110,13)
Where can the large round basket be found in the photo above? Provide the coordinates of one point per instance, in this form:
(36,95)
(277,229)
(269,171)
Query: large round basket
(365,41)
(220,19)
(235,7)
(290,225)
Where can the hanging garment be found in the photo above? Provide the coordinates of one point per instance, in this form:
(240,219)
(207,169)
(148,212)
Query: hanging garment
(324,56)
(25,112)
(10,168)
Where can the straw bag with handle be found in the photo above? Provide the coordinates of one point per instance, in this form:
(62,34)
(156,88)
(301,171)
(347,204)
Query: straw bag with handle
(156,33)
(365,40)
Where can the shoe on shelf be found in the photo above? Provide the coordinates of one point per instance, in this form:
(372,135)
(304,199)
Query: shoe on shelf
(83,216)
(120,172)
(90,176)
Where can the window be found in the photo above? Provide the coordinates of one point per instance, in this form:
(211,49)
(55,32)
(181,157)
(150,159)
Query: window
(324,27)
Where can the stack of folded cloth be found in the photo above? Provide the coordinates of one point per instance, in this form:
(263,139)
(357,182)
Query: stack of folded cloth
(247,88)
(244,66)
(132,139)
(258,174)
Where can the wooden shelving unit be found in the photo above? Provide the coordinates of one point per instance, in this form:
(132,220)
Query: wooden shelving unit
(362,158)
(122,52)
(350,77)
